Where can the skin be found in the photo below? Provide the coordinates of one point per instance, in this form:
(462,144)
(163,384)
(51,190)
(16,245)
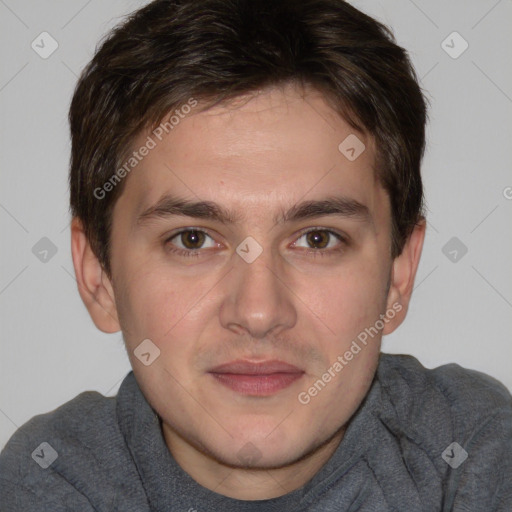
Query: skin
(256,156)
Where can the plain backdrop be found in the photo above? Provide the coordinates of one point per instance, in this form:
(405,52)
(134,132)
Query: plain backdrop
(462,305)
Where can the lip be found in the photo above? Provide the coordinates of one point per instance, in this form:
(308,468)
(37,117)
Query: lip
(245,367)
(262,378)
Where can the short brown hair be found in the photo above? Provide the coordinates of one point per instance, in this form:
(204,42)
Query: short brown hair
(215,50)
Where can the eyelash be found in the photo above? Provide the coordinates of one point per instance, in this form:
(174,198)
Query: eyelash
(194,253)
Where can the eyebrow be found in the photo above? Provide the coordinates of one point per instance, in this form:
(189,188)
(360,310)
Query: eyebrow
(171,205)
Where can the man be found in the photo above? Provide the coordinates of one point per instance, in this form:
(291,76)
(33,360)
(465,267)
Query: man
(247,209)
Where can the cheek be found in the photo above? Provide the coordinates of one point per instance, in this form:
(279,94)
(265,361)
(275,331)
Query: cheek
(350,300)
(150,305)
(168,310)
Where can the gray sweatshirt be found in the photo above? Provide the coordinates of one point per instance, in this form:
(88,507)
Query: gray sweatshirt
(422,440)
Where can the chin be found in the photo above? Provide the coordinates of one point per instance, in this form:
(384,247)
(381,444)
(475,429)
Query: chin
(258,449)
(250,456)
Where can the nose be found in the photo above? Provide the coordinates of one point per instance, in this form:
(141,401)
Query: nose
(257,298)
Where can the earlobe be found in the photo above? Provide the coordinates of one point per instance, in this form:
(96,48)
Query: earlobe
(93,285)
(403,273)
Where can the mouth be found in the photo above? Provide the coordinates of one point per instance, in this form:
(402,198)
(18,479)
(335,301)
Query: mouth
(263,378)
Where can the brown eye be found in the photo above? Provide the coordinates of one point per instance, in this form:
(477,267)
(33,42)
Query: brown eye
(192,239)
(318,239)
(321,242)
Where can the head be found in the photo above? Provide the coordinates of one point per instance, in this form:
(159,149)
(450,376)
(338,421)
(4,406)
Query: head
(245,186)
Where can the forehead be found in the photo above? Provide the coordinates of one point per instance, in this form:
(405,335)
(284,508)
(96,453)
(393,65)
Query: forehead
(253,153)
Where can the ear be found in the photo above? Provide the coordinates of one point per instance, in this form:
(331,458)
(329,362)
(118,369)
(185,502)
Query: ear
(403,272)
(93,284)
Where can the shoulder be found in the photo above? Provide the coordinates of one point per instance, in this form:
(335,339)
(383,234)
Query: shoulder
(456,421)
(449,389)
(34,462)
(76,420)
(447,402)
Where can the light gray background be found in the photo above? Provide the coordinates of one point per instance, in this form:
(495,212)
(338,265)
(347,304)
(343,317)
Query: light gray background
(461,311)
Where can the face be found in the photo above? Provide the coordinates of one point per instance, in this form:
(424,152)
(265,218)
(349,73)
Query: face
(252,253)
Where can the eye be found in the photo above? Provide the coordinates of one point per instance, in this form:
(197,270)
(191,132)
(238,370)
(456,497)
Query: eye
(319,240)
(190,240)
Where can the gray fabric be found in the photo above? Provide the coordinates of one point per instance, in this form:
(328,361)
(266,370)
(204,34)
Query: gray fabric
(112,456)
